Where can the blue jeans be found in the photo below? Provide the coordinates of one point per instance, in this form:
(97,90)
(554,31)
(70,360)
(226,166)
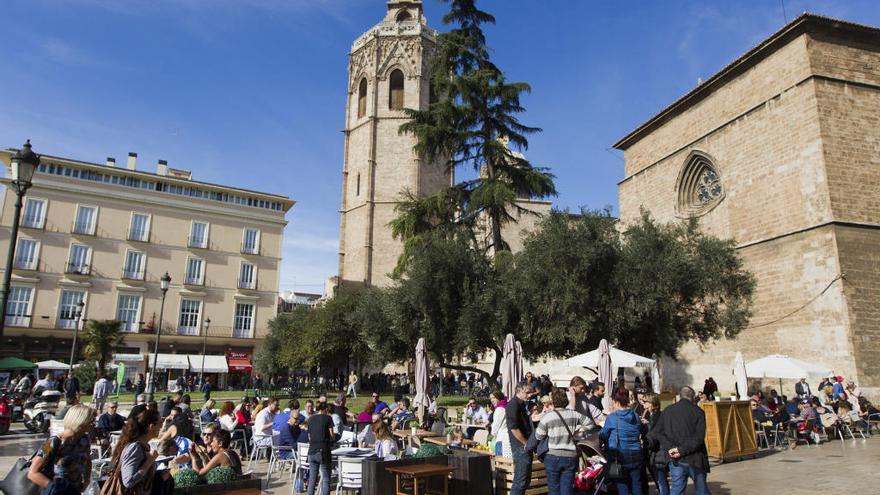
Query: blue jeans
(680,474)
(316,461)
(631,483)
(560,474)
(522,468)
(660,474)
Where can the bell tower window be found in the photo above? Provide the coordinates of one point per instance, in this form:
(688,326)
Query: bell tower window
(395,90)
(362,98)
(404,15)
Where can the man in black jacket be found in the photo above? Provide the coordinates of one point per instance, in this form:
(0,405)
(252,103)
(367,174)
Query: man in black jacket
(681,432)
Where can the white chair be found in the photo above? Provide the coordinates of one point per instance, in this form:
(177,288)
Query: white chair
(481,437)
(301,466)
(240,439)
(261,443)
(350,474)
(282,455)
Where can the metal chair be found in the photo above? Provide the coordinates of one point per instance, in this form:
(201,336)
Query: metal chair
(350,474)
(481,437)
(260,443)
(762,435)
(239,438)
(301,465)
(281,455)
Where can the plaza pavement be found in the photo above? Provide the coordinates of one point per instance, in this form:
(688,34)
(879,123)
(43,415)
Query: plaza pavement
(850,466)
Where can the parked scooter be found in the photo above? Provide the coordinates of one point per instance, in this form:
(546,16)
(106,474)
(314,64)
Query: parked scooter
(5,415)
(39,411)
(15,400)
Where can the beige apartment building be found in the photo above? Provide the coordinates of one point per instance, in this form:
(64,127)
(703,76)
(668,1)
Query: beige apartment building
(105,235)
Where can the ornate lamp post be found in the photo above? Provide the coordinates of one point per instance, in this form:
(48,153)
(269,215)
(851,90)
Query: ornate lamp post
(24,163)
(204,346)
(164,282)
(79,313)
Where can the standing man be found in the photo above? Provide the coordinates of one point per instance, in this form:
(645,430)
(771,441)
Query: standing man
(100,392)
(352,384)
(519,427)
(71,389)
(206,388)
(681,431)
(598,393)
(321,438)
(802,389)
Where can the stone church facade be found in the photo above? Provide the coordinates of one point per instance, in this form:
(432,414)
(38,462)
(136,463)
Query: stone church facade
(780,151)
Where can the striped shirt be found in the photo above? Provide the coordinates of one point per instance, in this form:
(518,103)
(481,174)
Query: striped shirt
(558,440)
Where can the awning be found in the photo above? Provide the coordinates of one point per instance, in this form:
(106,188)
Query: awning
(128,358)
(52,365)
(240,364)
(14,363)
(619,359)
(170,361)
(213,364)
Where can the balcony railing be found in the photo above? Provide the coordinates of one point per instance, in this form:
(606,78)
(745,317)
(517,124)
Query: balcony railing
(77,269)
(172,328)
(18,321)
(247,283)
(83,228)
(33,222)
(247,248)
(191,280)
(197,242)
(138,235)
(132,274)
(22,264)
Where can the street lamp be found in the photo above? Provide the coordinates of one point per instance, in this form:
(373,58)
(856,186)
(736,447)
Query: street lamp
(204,346)
(24,163)
(164,282)
(79,313)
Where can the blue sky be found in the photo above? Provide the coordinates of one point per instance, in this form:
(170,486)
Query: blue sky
(251,93)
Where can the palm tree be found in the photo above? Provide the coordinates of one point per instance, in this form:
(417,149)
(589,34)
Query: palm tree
(100,340)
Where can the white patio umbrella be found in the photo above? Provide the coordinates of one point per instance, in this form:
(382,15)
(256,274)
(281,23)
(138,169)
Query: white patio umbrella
(740,376)
(621,359)
(508,366)
(781,366)
(655,377)
(421,401)
(606,375)
(53,365)
(518,364)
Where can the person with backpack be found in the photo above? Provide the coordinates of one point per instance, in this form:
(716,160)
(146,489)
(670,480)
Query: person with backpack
(561,427)
(63,465)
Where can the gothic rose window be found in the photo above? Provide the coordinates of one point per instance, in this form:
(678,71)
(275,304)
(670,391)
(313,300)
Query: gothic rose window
(699,186)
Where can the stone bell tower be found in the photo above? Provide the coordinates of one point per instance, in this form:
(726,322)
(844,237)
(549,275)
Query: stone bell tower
(388,71)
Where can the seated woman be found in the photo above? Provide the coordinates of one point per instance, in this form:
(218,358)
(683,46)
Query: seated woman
(367,436)
(366,416)
(386,447)
(852,418)
(217,454)
(227,417)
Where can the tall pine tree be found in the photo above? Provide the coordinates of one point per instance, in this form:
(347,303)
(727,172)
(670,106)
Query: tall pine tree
(472,124)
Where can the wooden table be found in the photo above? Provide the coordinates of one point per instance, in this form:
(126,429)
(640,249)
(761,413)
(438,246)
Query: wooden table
(408,435)
(442,441)
(421,472)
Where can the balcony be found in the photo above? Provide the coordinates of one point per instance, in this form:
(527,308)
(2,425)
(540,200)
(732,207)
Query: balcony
(77,269)
(247,283)
(66,323)
(187,330)
(83,228)
(18,321)
(133,275)
(197,242)
(24,264)
(138,235)
(195,281)
(247,248)
(33,222)
(171,328)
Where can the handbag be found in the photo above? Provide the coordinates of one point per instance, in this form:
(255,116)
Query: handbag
(614,469)
(16,480)
(537,447)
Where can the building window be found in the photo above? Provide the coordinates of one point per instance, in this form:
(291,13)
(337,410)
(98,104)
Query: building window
(243,323)
(128,312)
(699,186)
(135,262)
(86,220)
(362,98)
(68,307)
(139,230)
(247,276)
(27,254)
(250,244)
(190,310)
(198,237)
(34,213)
(358,186)
(395,90)
(404,15)
(195,273)
(80,257)
(18,308)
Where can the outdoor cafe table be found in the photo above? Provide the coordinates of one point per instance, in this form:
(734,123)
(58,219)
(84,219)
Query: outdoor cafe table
(420,473)
(408,434)
(442,441)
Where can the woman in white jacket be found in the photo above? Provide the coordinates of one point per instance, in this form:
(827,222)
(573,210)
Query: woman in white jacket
(501,444)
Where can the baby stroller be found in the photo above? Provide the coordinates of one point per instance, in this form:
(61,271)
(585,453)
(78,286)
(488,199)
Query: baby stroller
(591,480)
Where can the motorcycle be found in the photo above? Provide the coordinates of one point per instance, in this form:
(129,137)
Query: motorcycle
(15,400)
(39,411)
(5,415)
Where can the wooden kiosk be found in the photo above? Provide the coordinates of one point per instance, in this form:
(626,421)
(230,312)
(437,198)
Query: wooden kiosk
(730,431)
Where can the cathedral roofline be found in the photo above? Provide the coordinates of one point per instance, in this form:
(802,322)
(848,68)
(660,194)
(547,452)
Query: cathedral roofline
(805,23)
(393,25)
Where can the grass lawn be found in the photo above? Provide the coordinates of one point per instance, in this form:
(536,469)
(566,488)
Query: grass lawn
(354,404)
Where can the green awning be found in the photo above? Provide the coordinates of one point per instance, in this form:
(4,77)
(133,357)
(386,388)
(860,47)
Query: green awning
(14,363)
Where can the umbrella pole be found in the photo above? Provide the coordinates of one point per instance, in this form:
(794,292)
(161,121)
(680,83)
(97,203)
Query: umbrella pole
(780,387)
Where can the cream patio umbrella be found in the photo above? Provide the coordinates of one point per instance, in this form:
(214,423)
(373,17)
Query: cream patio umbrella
(422,400)
(739,373)
(508,366)
(606,372)
(518,364)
